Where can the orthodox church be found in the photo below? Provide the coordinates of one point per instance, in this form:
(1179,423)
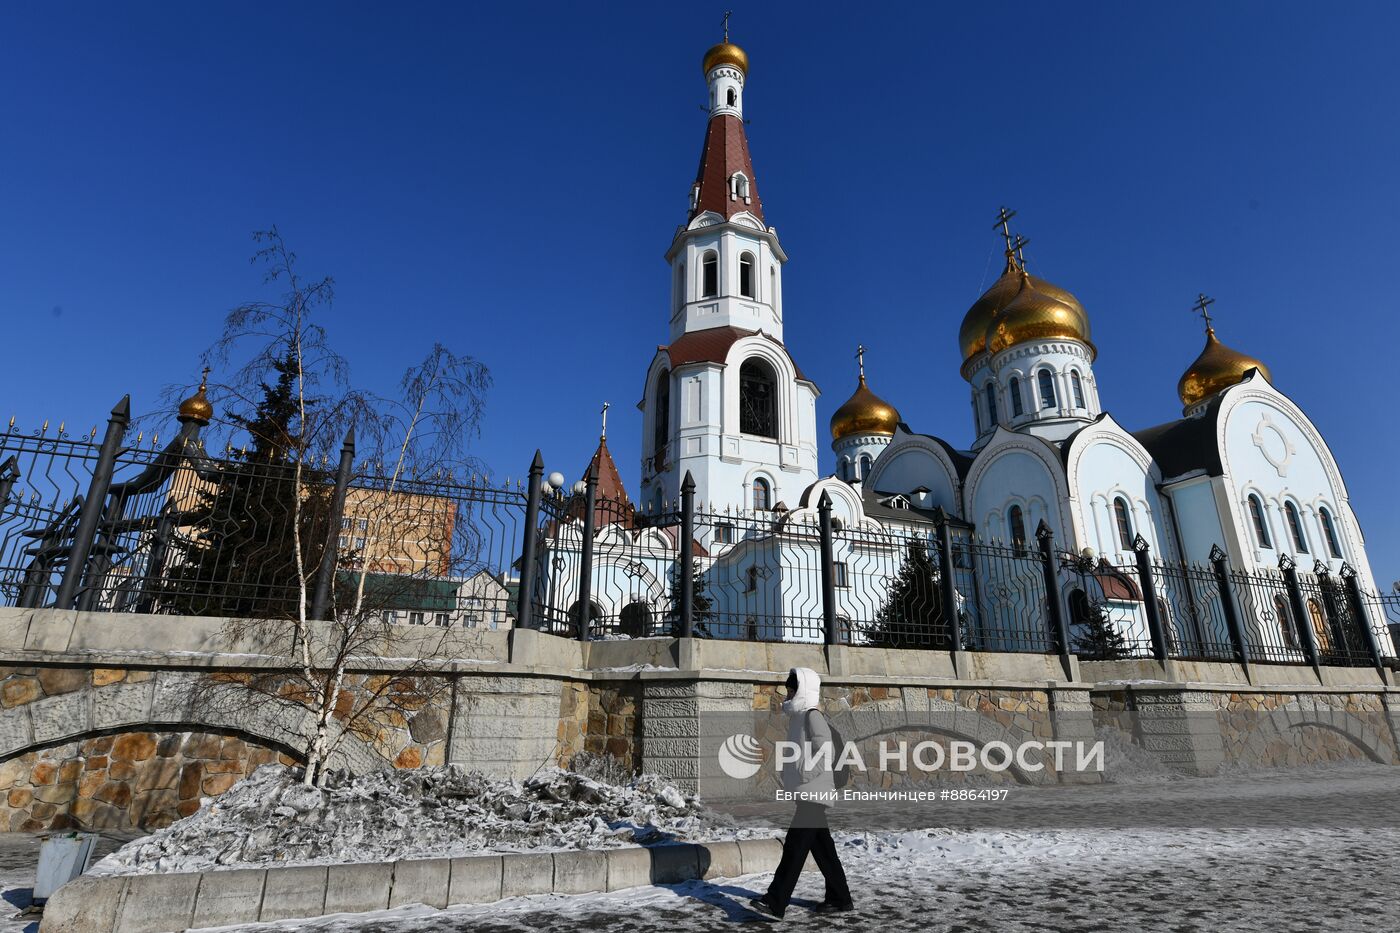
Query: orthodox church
(725,402)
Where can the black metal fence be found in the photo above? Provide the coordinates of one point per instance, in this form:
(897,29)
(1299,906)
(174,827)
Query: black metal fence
(134,527)
(137,527)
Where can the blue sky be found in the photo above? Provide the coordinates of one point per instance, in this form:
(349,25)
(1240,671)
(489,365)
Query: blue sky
(506,179)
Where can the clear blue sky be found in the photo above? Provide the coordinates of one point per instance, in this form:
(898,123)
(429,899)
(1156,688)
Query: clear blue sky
(506,178)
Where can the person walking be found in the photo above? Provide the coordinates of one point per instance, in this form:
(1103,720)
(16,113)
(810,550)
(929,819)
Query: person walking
(815,790)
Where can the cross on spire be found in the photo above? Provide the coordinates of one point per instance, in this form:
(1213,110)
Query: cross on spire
(1202,307)
(204,379)
(1019,246)
(604,435)
(727,14)
(1004,222)
(860,360)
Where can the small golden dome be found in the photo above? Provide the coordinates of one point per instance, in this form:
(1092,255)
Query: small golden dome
(726,53)
(864,413)
(1217,368)
(1040,311)
(197,407)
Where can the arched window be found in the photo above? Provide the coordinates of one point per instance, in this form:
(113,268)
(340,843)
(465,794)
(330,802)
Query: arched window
(1123,516)
(709,279)
(635,621)
(1047,389)
(1016,526)
(991,405)
(1078,607)
(732,97)
(680,285)
(739,186)
(1018,408)
(1295,527)
(843,470)
(746,274)
(1319,623)
(1285,621)
(865,462)
(762,495)
(758,404)
(661,420)
(1077,385)
(1329,531)
(1261,527)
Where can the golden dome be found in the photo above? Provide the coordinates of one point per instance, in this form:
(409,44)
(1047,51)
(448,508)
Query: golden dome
(972,336)
(726,53)
(864,413)
(197,407)
(1217,368)
(1040,311)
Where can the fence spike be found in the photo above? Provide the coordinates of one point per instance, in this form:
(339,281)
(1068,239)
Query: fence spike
(93,433)
(61,426)
(45,429)
(155,440)
(140,436)
(12,423)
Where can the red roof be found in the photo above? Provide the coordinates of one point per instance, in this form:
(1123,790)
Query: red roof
(610,502)
(726,151)
(712,346)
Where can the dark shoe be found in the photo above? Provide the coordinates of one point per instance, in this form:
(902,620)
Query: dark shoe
(763,906)
(832,907)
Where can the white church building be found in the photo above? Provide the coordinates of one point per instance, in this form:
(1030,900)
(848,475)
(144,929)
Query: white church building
(1242,469)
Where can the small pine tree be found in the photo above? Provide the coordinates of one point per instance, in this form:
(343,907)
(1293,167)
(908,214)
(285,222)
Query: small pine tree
(912,616)
(702,609)
(1095,637)
(238,558)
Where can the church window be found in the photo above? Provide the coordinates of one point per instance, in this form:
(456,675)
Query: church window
(843,470)
(680,285)
(1077,386)
(751,580)
(1319,624)
(865,463)
(1018,407)
(739,186)
(746,274)
(732,97)
(1285,621)
(724,533)
(991,405)
(1295,527)
(840,573)
(1123,517)
(1016,526)
(1329,531)
(762,495)
(661,420)
(758,404)
(709,283)
(1261,527)
(1047,389)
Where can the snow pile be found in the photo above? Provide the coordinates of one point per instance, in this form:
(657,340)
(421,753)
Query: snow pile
(429,812)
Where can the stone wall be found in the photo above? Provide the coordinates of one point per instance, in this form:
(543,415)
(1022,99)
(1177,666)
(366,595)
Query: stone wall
(127,781)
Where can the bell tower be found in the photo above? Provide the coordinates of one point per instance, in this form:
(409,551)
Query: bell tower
(724,400)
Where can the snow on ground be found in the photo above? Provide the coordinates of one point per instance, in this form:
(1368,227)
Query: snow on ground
(270,817)
(1307,850)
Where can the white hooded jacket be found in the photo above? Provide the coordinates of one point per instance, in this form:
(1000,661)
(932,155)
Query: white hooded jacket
(810,729)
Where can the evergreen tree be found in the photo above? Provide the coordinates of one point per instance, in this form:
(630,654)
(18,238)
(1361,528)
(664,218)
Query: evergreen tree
(1095,637)
(237,557)
(702,609)
(912,616)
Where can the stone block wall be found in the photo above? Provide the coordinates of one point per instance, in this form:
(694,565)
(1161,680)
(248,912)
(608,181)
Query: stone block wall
(127,781)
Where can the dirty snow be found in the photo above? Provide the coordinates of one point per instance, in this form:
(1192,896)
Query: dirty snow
(425,813)
(1285,852)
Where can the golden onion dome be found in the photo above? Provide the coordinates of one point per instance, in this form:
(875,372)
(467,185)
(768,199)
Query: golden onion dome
(864,413)
(198,407)
(1039,311)
(726,53)
(1216,369)
(972,336)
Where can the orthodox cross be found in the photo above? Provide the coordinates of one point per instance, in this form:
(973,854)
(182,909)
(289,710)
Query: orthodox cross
(860,360)
(727,14)
(204,379)
(604,435)
(1202,307)
(1019,246)
(1004,222)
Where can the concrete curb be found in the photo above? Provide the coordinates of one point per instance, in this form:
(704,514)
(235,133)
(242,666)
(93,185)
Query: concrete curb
(169,903)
